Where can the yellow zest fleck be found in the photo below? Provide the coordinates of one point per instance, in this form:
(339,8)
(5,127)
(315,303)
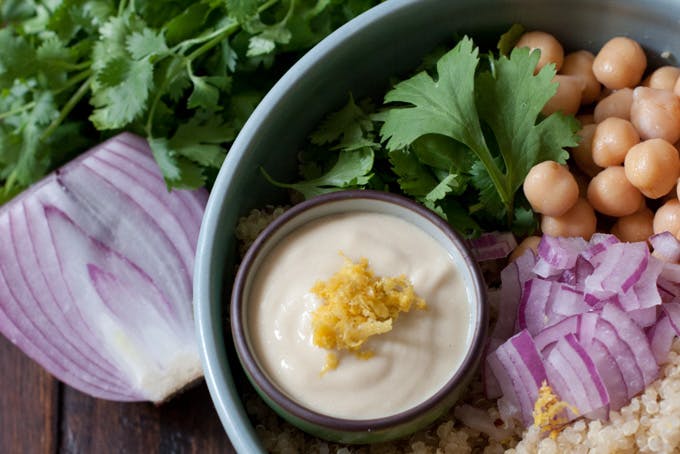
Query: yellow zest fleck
(357,305)
(550,413)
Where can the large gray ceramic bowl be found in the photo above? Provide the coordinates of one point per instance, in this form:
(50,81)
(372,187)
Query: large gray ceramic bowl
(359,58)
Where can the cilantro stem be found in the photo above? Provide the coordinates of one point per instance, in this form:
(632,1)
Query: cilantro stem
(68,107)
(19,109)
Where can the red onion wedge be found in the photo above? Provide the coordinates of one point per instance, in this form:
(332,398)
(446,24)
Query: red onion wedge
(95,274)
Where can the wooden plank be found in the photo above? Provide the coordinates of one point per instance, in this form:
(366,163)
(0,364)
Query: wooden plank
(29,404)
(186,424)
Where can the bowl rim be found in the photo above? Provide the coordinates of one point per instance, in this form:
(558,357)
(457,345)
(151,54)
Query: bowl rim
(256,374)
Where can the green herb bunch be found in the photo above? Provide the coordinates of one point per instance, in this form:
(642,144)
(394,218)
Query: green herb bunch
(184,74)
(459,137)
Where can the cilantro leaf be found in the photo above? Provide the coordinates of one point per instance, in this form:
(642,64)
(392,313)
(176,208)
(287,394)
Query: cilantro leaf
(352,170)
(146,43)
(510,101)
(413,178)
(351,126)
(508,39)
(118,105)
(441,106)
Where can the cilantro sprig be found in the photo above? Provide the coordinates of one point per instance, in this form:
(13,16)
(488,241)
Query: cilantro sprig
(459,137)
(186,74)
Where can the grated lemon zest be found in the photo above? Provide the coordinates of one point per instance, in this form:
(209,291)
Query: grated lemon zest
(357,304)
(550,413)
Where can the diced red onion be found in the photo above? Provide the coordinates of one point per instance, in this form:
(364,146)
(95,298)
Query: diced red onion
(492,246)
(666,246)
(518,366)
(661,337)
(96,274)
(513,277)
(574,377)
(635,338)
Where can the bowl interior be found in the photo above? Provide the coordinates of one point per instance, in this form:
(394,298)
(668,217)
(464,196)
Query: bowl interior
(359,58)
(341,203)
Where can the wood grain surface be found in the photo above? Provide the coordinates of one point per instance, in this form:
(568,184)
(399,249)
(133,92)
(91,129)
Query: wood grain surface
(38,414)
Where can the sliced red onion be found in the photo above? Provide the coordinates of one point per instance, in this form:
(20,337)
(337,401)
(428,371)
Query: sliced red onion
(644,318)
(492,389)
(611,374)
(635,338)
(492,246)
(617,269)
(518,366)
(666,246)
(513,277)
(545,303)
(661,336)
(574,377)
(590,318)
(556,254)
(95,274)
(598,243)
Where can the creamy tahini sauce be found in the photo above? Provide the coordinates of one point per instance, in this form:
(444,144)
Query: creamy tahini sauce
(411,362)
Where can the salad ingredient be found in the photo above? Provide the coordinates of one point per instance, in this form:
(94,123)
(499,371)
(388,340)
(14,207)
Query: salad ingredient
(663,78)
(666,247)
(656,114)
(595,355)
(580,63)
(184,74)
(419,355)
(653,166)
(617,104)
(667,218)
(550,48)
(620,63)
(638,226)
(528,243)
(580,220)
(612,139)
(610,193)
(461,143)
(95,274)
(357,304)
(550,188)
(567,99)
(549,411)
(582,154)
(492,246)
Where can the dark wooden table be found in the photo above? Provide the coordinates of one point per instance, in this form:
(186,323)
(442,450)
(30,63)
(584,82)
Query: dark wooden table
(38,414)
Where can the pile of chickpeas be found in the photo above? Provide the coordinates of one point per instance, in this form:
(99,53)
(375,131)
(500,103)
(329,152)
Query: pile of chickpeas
(622,178)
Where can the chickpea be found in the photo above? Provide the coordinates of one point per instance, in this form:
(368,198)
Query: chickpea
(582,153)
(550,188)
(620,63)
(617,104)
(638,226)
(663,78)
(676,89)
(579,221)
(550,47)
(567,99)
(667,218)
(530,242)
(653,166)
(580,63)
(610,193)
(656,114)
(612,140)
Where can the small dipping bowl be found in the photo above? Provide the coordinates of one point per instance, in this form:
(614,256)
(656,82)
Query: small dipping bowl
(374,428)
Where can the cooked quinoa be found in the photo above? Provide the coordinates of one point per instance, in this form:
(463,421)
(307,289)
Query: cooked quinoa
(649,423)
